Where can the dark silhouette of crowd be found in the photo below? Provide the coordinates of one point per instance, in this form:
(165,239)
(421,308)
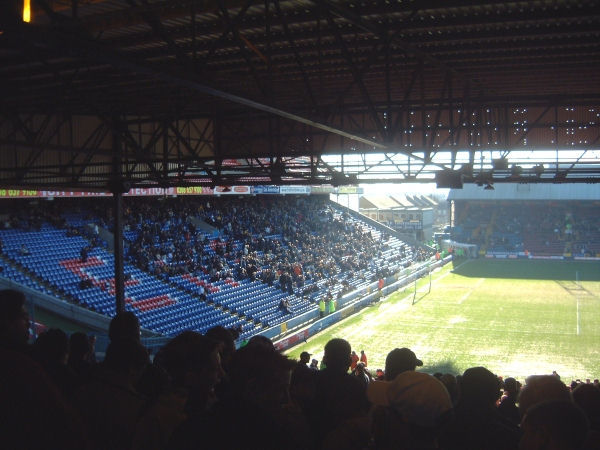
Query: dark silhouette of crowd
(199,391)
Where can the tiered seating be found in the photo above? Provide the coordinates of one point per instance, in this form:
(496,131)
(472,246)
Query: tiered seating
(18,276)
(169,301)
(55,259)
(542,228)
(543,243)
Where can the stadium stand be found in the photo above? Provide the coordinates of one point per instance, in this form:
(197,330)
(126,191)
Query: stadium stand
(187,269)
(200,263)
(549,225)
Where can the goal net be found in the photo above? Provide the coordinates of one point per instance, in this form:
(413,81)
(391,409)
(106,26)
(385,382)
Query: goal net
(422,287)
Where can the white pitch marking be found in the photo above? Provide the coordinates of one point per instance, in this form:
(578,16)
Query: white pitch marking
(577,315)
(466,296)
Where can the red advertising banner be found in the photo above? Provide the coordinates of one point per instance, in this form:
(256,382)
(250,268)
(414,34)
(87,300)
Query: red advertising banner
(291,340)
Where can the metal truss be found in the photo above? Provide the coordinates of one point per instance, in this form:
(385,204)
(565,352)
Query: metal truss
(58,150)
(284,92)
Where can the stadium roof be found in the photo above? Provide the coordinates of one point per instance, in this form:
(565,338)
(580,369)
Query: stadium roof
(381,202)
(515,191)
(422,200)
(101,93)
(398,202)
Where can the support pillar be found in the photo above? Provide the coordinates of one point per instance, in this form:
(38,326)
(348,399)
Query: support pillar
(118,187)
(118,236)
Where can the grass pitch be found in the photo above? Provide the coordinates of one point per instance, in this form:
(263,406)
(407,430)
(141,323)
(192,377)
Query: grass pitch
(515,317)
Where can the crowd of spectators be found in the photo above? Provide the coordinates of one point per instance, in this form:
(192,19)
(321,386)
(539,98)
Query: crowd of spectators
(310,241)
(301,245)
(541,227)
(199,391)
(285,242)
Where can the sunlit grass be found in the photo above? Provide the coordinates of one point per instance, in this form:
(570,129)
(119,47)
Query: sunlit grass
(517,318)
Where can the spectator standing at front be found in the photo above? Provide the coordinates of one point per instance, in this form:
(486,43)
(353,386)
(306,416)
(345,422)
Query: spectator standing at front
(192,363)
(33,413)
(477,424)
(508,405)
(302,383)
(363,358)
(331,305)
(409,411)
(400,360)
(322,310)
(354,358)
(340,401)
(314,365)
(362,374)
(254,412)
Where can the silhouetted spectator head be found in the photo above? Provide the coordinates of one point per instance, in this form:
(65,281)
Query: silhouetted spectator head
(225,337)
(14,319)
(479,386)
(449,381)
(261,375)
(511,386)
(127,357)
(419,398)
(587,397)
(400,360)
(260,341)
(411,410)
(542,388)
(192,361)
(554,425)
(51,347)
(305,357)
(125,325)
(337,355)
(79,347)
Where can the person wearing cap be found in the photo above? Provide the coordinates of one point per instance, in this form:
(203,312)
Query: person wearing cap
(409,411)
(400,360)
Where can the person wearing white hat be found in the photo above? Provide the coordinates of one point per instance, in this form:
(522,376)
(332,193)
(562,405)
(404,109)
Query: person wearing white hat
(411,408)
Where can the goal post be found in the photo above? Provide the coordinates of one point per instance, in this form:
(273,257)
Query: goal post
(418,294)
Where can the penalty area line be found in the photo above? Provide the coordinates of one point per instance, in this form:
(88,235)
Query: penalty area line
(578,315)
(475,286)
